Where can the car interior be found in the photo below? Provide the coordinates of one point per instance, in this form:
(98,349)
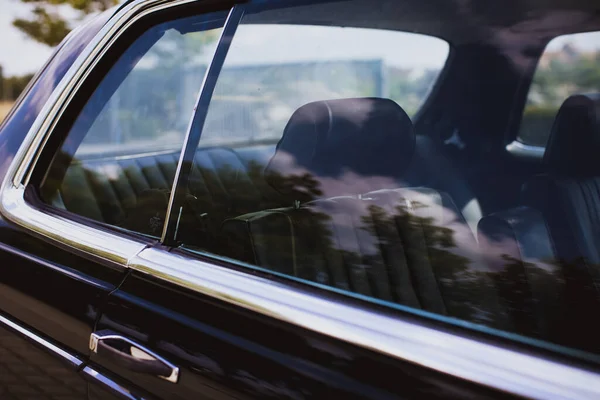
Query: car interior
(434,212)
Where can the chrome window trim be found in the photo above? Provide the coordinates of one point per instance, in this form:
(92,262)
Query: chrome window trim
(465,358)
(104,245)
(41,341)
(90,240)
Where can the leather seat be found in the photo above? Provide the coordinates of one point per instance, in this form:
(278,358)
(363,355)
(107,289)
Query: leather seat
(568,196)
(353,224)
(545,253)
(569,192)
(339,147)
(356,145)
(132,192)
(519,251)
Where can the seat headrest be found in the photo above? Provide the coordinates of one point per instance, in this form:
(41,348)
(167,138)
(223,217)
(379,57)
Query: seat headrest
(574,142)
(367,137)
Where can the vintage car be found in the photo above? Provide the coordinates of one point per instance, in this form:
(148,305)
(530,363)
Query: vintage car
(307,199)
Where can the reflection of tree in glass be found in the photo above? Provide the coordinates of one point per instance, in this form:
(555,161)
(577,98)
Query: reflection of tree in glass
(577,323)
(513,288)
(376,246)
(348,243)
(380,248)
(549,300)
(437,272)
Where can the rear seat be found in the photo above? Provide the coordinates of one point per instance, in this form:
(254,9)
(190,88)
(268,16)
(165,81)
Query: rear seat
(121,191)
(546,251)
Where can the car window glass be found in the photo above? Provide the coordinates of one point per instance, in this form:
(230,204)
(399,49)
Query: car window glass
(117,162)
(570,64)
(271,70)
(313,166)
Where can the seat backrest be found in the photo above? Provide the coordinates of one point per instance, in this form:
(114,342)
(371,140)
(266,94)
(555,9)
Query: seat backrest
(118,190)
(350,146)
(340,147)
(568,193)
(568,196)
(517,246)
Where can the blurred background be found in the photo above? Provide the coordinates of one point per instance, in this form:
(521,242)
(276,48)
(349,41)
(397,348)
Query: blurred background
(29,30)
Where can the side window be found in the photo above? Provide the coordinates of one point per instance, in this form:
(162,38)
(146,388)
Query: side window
(306,168)
(116,164)
(570,65)
(309,168)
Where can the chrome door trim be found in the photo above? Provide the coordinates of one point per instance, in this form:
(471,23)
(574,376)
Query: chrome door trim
(104,245)
(465,358)
(41,341)
(114,387)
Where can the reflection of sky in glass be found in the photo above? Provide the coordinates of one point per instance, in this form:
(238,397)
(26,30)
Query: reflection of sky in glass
(272,70)
(255,44)
(31,55)
(585,41)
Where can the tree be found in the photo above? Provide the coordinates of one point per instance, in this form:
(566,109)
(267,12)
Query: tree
(47,26)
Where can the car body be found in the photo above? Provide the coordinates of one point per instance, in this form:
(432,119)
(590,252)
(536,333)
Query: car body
(92,308)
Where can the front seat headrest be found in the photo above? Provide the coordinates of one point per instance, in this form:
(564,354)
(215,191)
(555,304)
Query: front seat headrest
(574,142)
(372,139)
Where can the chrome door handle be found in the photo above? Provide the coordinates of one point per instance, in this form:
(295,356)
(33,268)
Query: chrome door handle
(132,356)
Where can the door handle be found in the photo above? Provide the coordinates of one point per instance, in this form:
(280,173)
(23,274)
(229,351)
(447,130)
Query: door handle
(132,356)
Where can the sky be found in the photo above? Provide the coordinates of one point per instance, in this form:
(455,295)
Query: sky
(20,55)
(273,44)
(287,43)
(587,41)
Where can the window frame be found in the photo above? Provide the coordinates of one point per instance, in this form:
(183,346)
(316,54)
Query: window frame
(456,350)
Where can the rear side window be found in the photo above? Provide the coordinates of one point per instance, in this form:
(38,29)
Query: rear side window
(570,65)
(117,162)
(313,165)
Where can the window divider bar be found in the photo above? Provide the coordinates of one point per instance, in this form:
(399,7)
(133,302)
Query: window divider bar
(192,137)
